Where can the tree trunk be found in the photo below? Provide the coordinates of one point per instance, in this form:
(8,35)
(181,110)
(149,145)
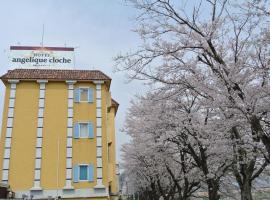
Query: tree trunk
(246,191)
(213,190)
(257,129)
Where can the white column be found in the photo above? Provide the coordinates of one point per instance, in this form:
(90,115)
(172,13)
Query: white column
(39,137)
(9,126)
(68,185)
(99,168)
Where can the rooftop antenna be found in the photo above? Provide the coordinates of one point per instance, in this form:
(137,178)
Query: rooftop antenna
(42,38)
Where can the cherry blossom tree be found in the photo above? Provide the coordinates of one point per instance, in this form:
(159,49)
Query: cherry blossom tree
(217,51)
(180,131)
(155,165)
(177,136)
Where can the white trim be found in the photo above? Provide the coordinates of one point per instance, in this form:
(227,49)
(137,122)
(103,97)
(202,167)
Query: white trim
(70,94)
(38,153)
(98,87)
(42,86)
(40,122)
(65,193)
(39,142)
(12,86)
(41,94)
(40,112)
(70,112)
(99,152)
(37,174)
(71,82)
(11,112)
(99,162)
(13,81)
(68,185)
(6,164)
(39,132)
(99,172)
(9,125)
(70,122)
(8,142)
(98,102)
(98,93)
(42,81)
(99,122)
(70,100)
(99,134)
(5,175)
(99,131)
(36,188)
(99,184)
(98,82)
(9,122)
(69,142)
(41,103)
(7,153)
(69,152)
(68,173)
(11,103)
(70,103)
(69,132)
(8,132)
(12,93)
(38,163)
(69,163)
(99,141)
(98,112)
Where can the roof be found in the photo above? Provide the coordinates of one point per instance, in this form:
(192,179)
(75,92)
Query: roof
(55,74)
(115,104)
(42,48)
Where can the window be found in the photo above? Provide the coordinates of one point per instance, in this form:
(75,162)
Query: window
(83,130)
(84,94)
(83,172)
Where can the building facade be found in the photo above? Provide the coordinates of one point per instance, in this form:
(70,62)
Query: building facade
(58,134)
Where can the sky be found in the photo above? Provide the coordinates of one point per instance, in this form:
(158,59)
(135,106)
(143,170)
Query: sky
(98,29)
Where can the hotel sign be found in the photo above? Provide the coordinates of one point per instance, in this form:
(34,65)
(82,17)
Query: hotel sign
(41,57)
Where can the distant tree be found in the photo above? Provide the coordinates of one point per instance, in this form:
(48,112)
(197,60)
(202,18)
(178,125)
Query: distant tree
(172,134)
(158,167)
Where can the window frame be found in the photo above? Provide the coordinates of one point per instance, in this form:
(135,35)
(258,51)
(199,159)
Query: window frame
(79,174)
(80,88)
(87,135)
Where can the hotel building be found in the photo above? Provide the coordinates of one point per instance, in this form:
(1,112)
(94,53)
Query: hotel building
(58,134)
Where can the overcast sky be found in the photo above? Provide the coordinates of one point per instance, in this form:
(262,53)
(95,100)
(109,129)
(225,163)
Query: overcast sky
(99,28)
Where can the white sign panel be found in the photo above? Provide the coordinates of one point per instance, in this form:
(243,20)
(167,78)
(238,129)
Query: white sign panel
(41,57)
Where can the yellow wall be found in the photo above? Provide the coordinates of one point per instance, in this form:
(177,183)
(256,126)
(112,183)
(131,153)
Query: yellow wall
(54,129)
(23,136)
(3,131)
(84,150)
(111,139)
